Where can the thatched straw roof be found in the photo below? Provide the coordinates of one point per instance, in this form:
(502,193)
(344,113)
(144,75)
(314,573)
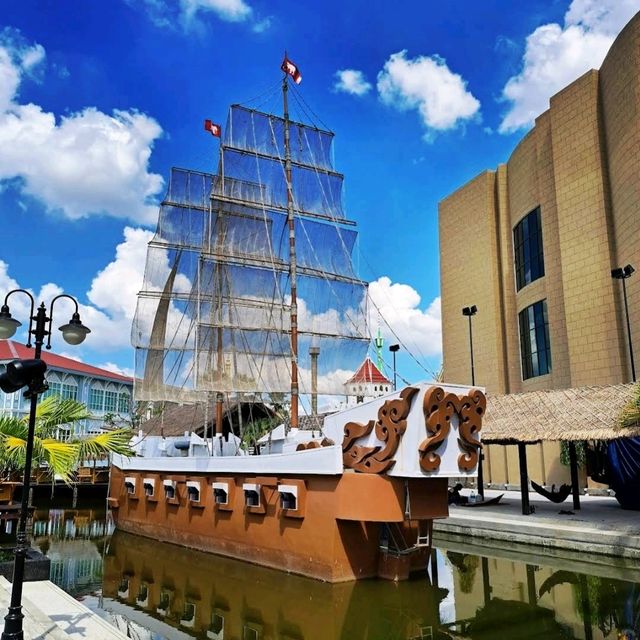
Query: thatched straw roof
(175,419)
(584,413)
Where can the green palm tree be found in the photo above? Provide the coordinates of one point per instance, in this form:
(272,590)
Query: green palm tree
(61,457)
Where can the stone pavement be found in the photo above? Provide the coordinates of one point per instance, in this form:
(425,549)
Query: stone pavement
(599,528)
(57,615)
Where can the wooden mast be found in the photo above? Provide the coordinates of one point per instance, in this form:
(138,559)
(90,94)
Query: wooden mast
(218,275)
(292,259)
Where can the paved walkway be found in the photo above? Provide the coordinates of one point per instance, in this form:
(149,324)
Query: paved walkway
(600,527)
(56,616)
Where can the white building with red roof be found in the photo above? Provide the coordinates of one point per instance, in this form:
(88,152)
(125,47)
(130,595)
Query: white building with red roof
(104,392)
(367,382)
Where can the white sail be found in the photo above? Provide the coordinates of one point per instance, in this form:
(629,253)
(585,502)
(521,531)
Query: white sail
(214,311)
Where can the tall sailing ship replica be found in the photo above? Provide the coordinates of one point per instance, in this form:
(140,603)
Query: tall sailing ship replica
(249,290)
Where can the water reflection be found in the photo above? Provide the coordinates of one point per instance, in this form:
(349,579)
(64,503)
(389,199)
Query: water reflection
(528,601)
(74,540)
(205,596)
(156,591)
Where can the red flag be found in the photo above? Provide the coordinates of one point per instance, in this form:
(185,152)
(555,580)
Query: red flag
(212,128)
(292,69)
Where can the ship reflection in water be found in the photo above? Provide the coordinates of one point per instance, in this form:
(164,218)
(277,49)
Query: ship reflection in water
(156,591)
(206,596)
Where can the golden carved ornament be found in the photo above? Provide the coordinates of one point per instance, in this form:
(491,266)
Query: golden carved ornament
(389,428)
(439,408)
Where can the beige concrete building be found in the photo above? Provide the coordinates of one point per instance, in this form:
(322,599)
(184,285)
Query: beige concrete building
(532,245)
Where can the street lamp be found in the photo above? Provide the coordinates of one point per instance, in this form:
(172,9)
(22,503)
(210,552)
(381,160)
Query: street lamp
(469,312)
(394,348)
(622,273)
(30,374)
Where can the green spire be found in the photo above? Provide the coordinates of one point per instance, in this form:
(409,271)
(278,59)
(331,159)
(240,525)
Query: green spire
(379,342)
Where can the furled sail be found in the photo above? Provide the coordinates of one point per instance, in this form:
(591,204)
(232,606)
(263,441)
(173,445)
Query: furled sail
(214,311)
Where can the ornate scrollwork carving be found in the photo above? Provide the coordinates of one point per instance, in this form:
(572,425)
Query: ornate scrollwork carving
(472,408)
(389,428)
(439,408)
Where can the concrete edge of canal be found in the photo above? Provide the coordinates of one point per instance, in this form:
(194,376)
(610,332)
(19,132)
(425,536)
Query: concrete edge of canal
(57,615)
(581,538)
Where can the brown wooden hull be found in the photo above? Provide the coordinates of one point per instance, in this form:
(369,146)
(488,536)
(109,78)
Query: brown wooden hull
(333,534)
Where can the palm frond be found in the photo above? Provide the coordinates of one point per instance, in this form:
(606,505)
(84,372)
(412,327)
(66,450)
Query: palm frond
(61,457)
(55,411)
(116,441)
(10,426)
(630,414)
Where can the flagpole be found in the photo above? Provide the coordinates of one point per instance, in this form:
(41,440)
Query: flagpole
(292,258)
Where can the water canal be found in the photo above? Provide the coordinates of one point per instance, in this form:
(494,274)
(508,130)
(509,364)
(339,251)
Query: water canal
(154,591)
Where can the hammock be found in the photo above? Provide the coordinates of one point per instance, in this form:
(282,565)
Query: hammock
(557,496)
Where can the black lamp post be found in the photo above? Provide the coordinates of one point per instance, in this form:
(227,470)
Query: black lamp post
(30,374)
(622,273)
(394,348)
(469,312)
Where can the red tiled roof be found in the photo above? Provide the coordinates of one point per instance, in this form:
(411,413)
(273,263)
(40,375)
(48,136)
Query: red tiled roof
(368,372)
(11,350)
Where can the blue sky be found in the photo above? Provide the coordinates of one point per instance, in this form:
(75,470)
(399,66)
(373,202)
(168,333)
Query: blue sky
(98,101)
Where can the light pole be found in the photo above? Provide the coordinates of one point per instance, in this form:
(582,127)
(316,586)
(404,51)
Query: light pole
(469,312)
(394,348)
(622,273)
(30,374)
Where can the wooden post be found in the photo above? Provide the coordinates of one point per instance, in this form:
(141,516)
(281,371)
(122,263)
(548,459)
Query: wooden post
(524,478)
(434,568)
(586,607)
(480,486)
(531,584)
(486,583)
(573,465)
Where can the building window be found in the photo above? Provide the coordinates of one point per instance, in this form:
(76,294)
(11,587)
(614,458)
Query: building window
(96,399)
(55,389)
(124,402)
(527,247)
(535,349)
(110,401)
(69,391)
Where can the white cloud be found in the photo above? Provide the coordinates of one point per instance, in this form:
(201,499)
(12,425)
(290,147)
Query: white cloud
(351,81)
(115,287)
(188,13)
(229,10)
(419,328)
(112,296)
(114,368)
(81,164)
(556,55)
(426,83)
(260,26)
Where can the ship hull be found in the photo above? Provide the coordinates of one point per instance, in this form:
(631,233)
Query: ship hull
(339,530)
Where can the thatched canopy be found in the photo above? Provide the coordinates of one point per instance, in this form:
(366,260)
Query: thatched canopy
(175,419)
(583,413)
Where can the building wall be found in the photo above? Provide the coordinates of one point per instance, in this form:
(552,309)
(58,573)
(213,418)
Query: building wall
(580,164)
(620,113)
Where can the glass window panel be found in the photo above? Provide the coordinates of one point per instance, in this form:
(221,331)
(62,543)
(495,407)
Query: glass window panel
(535,350)
(124,400)
(96,399)
(528,252)
(110,401)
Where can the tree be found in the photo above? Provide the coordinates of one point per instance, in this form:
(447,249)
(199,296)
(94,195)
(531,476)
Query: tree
(60,457)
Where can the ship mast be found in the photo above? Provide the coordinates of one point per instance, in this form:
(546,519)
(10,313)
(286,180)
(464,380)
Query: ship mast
(292,259)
